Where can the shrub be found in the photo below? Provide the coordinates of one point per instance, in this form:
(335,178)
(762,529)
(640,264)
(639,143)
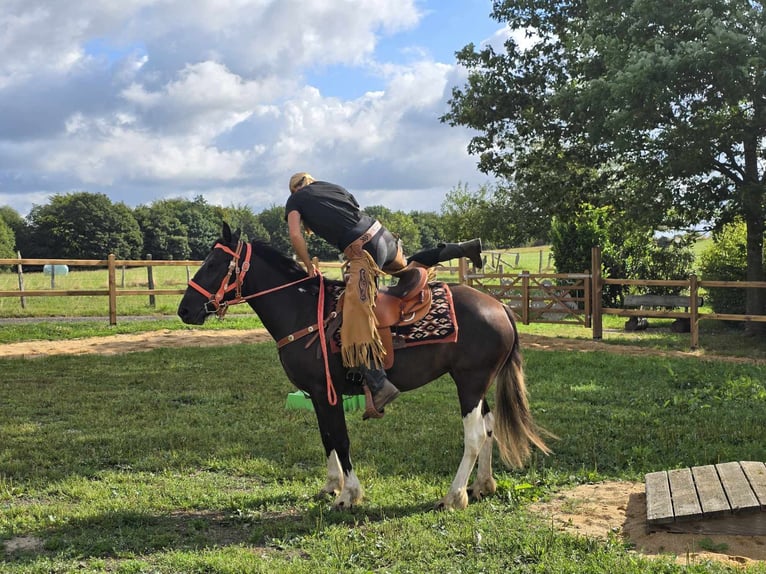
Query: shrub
(627,250)
(726,260)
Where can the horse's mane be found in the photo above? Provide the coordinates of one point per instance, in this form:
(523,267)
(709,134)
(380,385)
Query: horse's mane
(291,269)
(278,260)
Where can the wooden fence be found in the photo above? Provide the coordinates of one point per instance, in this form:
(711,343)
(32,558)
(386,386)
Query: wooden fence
(691,286)
(112,291)
(534,297)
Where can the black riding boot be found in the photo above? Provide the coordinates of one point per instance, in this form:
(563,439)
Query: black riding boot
(447,251)
(383,391)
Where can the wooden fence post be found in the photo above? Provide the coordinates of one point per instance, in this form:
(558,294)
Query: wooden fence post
(112,274)
(150,280)
(525,297)
(597,290)
(694,311)
(588,299)
(21,282)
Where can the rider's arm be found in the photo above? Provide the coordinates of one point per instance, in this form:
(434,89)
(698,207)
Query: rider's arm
(298,241)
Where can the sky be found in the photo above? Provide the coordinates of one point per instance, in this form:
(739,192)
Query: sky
(144,100)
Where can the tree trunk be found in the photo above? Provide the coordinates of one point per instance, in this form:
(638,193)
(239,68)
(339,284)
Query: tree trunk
(755,304)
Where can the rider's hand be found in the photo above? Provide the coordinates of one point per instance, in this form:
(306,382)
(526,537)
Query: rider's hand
(312,271)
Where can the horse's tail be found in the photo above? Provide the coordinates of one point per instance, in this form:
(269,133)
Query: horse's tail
(514,429)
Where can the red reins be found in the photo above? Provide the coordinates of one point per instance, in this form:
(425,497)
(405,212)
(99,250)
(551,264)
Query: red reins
(220,306)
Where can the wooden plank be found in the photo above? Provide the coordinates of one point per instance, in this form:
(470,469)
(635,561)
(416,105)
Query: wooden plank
(657,300)
(711,495)
(686,505)
(659,506)
(741,496)
(756,476)
(738,525)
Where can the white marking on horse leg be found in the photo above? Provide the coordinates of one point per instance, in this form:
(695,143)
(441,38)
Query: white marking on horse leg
(485,484)
(351,493)
(334,482)
(474,438)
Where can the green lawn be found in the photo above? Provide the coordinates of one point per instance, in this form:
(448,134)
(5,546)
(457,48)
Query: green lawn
(185,460)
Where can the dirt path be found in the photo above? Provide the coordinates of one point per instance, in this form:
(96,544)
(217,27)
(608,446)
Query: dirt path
(113,344)
(597,510)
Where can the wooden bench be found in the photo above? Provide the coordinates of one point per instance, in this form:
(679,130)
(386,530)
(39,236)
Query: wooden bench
(727,498)
(680,325)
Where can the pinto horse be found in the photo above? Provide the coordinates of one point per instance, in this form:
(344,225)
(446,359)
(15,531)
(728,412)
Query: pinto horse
(289,304)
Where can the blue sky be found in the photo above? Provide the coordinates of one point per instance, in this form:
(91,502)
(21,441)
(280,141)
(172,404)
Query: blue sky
(144,101)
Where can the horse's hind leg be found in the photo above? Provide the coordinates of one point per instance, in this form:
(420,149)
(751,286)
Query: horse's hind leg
(475,437)
(485,485)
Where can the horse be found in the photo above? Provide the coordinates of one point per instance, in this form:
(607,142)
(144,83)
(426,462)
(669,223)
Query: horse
(289,305)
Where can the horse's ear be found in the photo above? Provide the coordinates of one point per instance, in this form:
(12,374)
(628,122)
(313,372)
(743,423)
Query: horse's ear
(226,234)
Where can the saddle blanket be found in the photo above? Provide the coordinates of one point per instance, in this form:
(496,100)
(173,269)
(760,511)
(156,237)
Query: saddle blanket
(438,326)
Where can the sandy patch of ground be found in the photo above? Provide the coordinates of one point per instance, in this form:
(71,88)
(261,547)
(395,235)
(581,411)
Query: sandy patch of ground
(114,344)
(609,508)
(597,510)
(23,544)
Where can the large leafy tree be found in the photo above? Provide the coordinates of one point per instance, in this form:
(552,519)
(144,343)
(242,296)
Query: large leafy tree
(242,217)
(201,221)
(655,107)
(165,237)
(7,241)
(13,220)
(400,223)
(430,228)
(82,225)
(273,221)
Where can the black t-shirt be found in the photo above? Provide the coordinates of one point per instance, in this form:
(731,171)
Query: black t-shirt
(328,210)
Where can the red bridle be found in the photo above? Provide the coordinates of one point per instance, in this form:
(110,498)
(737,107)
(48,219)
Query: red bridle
(219,306)
(215,300)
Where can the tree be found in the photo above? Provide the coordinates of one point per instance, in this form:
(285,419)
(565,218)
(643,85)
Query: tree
(242,217)
(82,225)
(399,223)
(273,221)
(201,221)
(7,241)
(13,220)
(430,228)
(464,212)
(165,237)
(655,107)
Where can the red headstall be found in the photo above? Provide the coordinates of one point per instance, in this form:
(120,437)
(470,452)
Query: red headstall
(238,272)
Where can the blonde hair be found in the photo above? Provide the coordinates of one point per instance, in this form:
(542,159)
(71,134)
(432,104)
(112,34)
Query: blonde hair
(299,180)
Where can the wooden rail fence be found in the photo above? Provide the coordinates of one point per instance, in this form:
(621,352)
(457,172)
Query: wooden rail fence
(534,297)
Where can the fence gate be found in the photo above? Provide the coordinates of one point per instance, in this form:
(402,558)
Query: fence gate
(539,297)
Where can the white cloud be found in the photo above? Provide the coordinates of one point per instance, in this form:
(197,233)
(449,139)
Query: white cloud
(146,99)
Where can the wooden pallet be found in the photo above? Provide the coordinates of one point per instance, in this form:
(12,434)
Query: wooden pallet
(728,498)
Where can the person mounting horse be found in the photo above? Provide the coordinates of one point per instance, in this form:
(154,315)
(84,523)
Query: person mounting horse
(332,213)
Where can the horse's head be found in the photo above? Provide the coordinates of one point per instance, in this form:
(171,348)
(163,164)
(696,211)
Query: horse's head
(218,280)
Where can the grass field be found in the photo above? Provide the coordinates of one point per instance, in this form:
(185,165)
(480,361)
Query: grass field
(185,460)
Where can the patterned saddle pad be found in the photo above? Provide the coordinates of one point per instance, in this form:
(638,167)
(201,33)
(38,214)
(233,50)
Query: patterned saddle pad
(438,326)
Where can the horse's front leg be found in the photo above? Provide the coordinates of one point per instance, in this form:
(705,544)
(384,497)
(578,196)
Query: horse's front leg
(341,478)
